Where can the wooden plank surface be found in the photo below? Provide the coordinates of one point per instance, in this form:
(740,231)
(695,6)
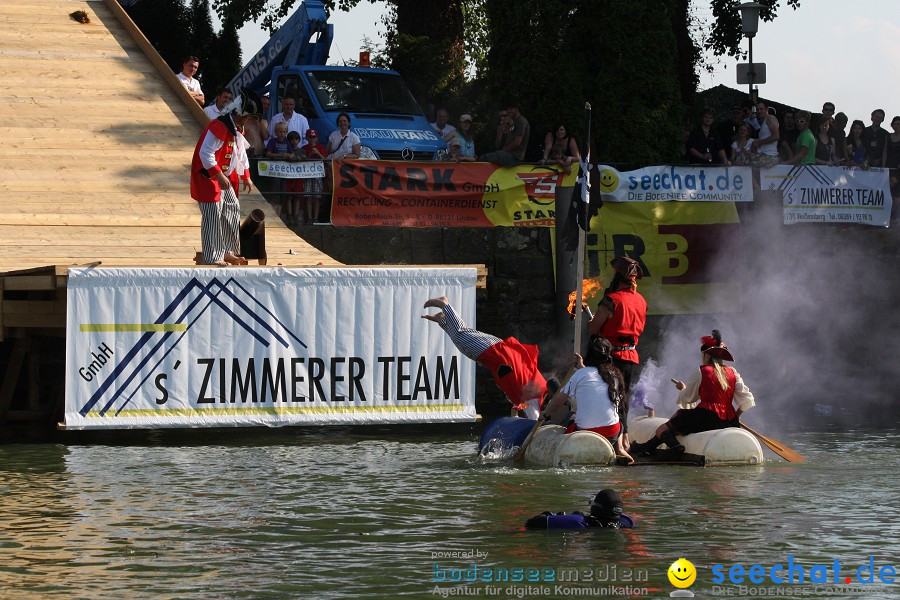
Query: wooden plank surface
(97,143)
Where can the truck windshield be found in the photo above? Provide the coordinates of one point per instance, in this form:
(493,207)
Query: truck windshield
(362,92)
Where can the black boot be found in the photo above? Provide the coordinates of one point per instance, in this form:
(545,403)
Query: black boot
(672,442)
(644,448)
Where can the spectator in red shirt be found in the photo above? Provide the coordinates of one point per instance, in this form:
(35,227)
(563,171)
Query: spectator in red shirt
(313,186)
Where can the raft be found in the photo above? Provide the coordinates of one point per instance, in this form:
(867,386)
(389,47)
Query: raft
(719,447)
(552,448)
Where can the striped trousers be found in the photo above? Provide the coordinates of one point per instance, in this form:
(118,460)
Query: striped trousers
(470,342)
(219,223)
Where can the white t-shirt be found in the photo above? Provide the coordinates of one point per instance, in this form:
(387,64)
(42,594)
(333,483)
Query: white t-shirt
(212,111)
(340,148)
(592,405)
(297,123)
(448,129)
(192,84)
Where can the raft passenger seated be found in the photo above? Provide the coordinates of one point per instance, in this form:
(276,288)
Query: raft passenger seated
(598,390)
(721,393)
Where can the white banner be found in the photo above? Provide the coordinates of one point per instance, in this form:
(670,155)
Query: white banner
(814,193)
(282,169)
(151,348)
(674,183)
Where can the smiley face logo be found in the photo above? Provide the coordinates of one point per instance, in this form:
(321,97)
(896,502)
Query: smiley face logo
(682,573)
(609,180)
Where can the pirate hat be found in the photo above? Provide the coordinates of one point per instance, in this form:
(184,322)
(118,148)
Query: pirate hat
(713,345)
(246,103)
(627,267)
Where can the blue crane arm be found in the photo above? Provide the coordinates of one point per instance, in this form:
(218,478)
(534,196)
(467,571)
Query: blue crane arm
(291,45)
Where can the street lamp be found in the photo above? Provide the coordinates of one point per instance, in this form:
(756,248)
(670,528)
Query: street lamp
(749,27)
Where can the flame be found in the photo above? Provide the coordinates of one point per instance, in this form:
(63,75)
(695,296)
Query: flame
(589,289)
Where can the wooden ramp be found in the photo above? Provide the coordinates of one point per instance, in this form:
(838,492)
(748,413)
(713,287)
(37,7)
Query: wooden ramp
(97,138)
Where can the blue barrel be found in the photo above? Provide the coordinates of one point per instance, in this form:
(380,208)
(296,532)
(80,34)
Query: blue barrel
(508,431)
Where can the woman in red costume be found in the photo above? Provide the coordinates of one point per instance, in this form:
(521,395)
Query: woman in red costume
(720,391)
(621,316)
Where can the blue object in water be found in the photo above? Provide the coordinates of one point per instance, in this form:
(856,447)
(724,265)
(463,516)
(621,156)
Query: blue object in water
(508,431)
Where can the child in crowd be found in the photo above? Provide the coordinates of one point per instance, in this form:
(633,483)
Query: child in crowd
(557,155)
(293,187)
(313,186)
(278,148)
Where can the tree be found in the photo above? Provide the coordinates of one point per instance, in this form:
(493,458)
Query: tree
(177,31)
(616,54)
(202,38)
(725,37)
(166,24)
(426,37)
(423,37)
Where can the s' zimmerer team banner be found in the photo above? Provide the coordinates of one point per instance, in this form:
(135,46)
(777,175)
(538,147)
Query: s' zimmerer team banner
(669,183)
(445,194)
(815,193)
(153,348)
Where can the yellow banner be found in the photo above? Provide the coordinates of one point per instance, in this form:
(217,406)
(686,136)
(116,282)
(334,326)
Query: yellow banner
(690,253)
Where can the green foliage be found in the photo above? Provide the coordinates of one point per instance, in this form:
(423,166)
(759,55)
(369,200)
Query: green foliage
(725,36)
(620,56)
(166,24)
(178,31)
(226,55)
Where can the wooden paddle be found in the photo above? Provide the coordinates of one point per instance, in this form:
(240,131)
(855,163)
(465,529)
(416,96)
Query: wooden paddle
(537,425)
(776,447)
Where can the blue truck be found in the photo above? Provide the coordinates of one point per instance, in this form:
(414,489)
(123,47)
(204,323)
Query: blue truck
(384,114)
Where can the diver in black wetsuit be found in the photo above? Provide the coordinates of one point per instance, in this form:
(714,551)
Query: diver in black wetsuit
(606,512)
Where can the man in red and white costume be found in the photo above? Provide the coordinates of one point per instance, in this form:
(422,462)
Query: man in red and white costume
(512,363)
(714,397)
(219,164)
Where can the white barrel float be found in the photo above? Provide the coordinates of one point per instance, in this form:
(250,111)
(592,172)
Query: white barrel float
(550,447)
(729,446)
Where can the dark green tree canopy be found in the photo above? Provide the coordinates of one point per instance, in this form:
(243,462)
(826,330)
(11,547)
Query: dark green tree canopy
(636,62)
(177,30)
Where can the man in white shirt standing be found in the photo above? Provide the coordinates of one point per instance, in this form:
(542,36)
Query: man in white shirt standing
(186,77)
(295,121)
(222,100)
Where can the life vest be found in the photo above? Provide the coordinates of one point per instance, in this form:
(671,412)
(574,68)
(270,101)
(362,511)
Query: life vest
(625,326)
(713,397)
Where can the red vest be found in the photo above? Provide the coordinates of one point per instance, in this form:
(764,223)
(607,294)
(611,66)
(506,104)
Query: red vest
(628,320)
(522,358)
(713,397)
(205,188)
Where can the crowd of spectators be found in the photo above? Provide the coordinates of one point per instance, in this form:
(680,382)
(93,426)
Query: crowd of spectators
(754,135)
(751,135)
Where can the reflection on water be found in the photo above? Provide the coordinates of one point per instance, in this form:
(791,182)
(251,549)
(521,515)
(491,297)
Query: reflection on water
(335,515)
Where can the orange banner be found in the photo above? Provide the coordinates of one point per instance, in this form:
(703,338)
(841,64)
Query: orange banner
(444,194)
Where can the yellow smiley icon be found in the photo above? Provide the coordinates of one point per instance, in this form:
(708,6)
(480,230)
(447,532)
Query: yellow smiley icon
(682,573)
(609,180)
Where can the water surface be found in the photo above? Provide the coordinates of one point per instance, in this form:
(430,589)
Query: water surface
(295,514)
